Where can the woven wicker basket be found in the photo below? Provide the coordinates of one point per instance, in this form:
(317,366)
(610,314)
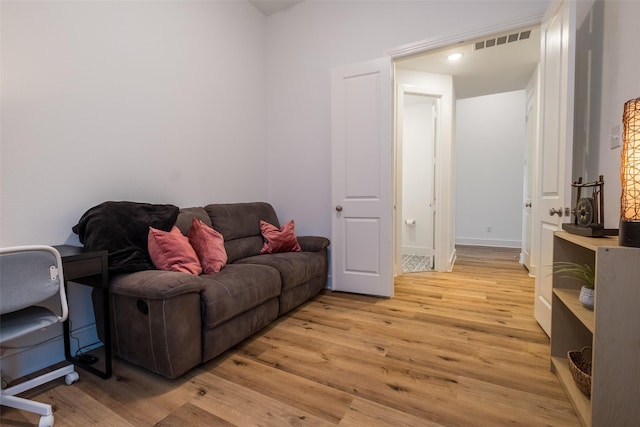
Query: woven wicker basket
(580,368)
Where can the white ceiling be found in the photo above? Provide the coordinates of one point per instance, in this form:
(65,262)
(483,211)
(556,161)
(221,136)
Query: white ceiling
(500,68)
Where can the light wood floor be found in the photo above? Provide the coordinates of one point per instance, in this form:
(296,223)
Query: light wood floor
(451,349)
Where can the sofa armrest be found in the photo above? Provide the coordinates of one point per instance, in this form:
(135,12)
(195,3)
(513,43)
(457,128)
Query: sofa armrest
(155,284)
(313,243)
(156,320)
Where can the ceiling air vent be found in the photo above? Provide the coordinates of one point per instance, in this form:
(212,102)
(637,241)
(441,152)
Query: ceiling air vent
(495,41)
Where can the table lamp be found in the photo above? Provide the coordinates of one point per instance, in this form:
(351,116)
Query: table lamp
(629,234)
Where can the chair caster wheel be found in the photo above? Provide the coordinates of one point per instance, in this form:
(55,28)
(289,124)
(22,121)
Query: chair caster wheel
(71,378)
(46,421)
(4,383)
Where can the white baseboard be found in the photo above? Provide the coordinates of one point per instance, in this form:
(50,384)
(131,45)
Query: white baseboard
(498,243)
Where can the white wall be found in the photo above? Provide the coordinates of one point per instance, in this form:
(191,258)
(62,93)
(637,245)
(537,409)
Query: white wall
(304,42)
(620,83)
(159,102)
(490,138)
(608,34)
(588,95)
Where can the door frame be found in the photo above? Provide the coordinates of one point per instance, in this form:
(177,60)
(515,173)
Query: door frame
(557,77)
(445,235)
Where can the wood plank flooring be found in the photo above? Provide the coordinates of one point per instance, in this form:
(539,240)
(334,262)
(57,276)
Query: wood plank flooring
(451,349)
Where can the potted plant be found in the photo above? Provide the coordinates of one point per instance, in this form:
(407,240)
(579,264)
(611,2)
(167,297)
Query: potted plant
(584,273)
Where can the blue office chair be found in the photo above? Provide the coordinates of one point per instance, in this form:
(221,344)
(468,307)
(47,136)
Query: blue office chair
(29,276)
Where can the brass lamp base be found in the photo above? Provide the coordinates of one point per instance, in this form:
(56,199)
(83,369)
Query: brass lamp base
(629,234)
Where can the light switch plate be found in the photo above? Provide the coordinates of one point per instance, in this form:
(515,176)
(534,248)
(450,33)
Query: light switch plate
(615,137)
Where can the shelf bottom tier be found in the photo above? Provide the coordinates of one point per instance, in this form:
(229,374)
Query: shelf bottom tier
(581,403)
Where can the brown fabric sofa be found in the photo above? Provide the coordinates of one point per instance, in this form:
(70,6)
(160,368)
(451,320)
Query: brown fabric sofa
(170,322)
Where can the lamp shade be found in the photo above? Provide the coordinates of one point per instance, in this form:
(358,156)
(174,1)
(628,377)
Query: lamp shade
(630,174)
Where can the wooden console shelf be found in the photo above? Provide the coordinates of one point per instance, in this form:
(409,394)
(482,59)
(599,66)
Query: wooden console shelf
(569,298)
(612,329)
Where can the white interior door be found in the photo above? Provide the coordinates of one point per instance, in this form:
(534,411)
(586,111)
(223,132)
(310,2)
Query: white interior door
(362,177)
(557,68)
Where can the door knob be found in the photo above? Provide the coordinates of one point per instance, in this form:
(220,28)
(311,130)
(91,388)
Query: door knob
(527,205)
(339,208)
(554,211)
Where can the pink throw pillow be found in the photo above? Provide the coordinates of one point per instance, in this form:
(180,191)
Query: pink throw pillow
(209,245)
(279,239)
(171,251)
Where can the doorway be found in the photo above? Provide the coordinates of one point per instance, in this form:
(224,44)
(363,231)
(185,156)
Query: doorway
(495,64)
(367,109)
(417,128)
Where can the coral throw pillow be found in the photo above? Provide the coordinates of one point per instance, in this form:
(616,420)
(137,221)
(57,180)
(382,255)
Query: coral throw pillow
(278,239)
(209,245)
(171,251)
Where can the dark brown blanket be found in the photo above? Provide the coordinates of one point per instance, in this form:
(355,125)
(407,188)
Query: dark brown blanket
(121,228)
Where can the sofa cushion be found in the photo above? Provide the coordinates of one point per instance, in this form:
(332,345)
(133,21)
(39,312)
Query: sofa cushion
(121,228)
(279,239)
(236,289)
(171,251)
(242,248)
(238,220)
(239,223)
(186,215)
(295,268)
